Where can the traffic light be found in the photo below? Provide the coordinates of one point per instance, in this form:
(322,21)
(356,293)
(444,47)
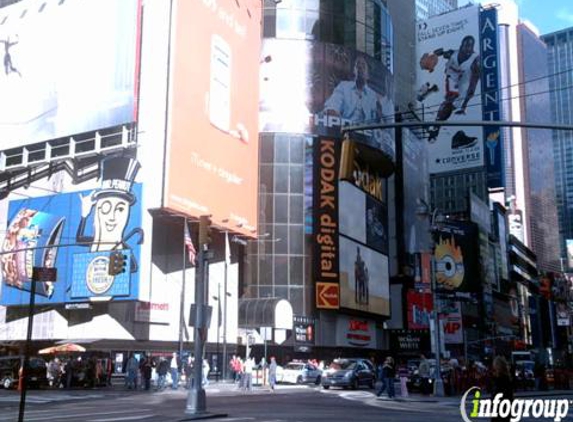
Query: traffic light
(205,230)
(117,263)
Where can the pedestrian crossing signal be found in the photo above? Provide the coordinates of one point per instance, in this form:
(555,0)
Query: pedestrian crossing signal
(205,230)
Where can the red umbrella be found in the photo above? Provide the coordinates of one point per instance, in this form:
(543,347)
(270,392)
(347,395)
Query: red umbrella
(62,348)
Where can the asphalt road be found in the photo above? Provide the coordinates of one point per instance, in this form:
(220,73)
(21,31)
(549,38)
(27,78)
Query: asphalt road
(288,404)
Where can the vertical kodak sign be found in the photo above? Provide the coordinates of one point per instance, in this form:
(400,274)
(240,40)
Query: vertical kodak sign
(490,91)
(325,222)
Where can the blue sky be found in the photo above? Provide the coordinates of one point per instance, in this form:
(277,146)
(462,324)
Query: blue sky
(547,15)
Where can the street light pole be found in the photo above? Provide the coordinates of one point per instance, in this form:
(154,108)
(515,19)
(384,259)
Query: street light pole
(227,259)
(439,384)
(423,211)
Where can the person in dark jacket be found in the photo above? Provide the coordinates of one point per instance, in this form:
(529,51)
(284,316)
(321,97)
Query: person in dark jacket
(162,373)
(145,367)
(502,383)
(387,374)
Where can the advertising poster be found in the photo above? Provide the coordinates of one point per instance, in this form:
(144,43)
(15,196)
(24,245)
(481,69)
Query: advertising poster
(420,307)
(213,128)
(325,234)
(63,74)
(364,279)
(416,175)
(451,317)
(303,328)
(334,86)
(502,234)
(372,228)
(456,256)
(491,99)
(355,332)
(76,233)
(569,243)
(409,341)
(506,315)
(449,89)
(563,315)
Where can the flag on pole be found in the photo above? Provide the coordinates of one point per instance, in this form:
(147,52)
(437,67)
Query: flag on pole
(227,249)
(189,245)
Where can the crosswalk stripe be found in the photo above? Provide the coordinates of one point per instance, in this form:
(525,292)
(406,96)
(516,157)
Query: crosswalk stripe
(124,418)
(57,415)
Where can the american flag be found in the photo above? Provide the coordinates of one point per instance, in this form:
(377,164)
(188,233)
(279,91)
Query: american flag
(189,245)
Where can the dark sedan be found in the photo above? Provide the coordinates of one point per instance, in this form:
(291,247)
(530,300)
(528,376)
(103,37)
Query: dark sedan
(349,373)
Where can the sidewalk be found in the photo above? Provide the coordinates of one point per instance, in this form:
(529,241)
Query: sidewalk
(415,397)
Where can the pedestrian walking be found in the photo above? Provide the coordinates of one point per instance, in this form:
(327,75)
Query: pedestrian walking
(174,366)
(273,373)
(161,374)
(68,372)
(131,372)
(146,369)
(387,373)
(235,366)
(205,372)
(241,372)
(424,373)
(502,384)
(188,370)
(248,374)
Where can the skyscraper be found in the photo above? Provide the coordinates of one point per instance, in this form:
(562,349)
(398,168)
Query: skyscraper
(560,62)
(540,181)
(427,8)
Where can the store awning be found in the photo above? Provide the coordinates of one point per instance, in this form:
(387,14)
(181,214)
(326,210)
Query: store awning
(265,312)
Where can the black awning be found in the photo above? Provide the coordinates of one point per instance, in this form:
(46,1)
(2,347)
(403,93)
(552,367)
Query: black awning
(272,312)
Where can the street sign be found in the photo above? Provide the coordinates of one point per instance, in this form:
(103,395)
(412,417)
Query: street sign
(77,306)
(327,295)
(267,333)
(44,274)
(204,316)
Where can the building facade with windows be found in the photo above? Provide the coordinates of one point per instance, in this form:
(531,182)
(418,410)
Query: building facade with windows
(559,46)
(323,65)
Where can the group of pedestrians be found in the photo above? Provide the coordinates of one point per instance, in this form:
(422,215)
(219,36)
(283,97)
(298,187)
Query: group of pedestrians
(78,371)
(139,373)
(242,372)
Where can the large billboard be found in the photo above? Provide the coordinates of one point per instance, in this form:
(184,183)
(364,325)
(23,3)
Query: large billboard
(213,131)
(364,279)
(491,97)
(456,257)
(420,306)
(416,176)
(76,233)
(314,87)
(325,215)
(363,218)
(449,88)
(69,67)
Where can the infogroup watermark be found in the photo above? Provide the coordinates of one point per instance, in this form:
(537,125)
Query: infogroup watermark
(516,409)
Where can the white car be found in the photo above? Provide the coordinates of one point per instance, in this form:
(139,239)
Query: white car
(301,373)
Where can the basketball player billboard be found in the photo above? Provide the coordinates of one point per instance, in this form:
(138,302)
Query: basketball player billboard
(449,72)
(69,67)
(317,88)
(456,257)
